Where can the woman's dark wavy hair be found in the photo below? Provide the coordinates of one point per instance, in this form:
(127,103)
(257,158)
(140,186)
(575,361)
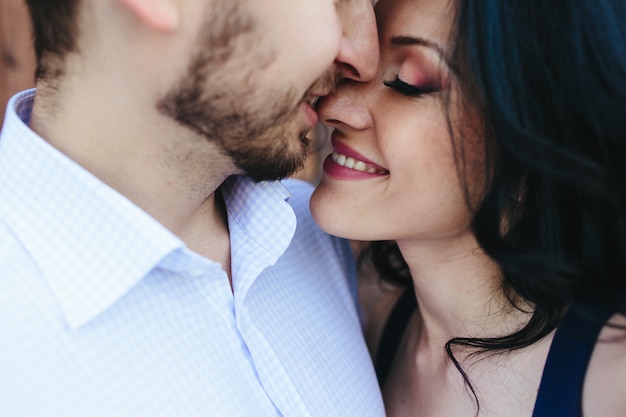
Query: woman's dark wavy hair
(55,29)
(549,81)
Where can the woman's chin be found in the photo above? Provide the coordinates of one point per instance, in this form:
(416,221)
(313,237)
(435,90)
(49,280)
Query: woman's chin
(329,215)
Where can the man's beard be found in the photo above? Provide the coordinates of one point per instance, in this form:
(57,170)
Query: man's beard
(219,99)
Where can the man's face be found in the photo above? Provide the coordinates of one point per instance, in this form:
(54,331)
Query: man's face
(258,68)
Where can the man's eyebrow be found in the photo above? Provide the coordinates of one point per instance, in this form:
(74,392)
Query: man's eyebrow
(411,40)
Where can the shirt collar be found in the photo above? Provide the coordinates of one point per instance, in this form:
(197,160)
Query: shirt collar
(261,224)
(260,210)
(91,244)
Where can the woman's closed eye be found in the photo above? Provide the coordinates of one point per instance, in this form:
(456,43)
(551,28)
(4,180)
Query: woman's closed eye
(409,90)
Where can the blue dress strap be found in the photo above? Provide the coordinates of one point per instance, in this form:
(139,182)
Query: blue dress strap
(561,389)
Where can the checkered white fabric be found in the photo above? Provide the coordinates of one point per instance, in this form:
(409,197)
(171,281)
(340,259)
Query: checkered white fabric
(103,312)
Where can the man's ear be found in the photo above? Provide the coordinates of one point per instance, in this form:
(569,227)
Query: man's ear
(162,15)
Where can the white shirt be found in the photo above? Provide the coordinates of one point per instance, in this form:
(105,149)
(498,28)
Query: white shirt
(104,312)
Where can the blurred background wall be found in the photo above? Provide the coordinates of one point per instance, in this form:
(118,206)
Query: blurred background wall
(17,61)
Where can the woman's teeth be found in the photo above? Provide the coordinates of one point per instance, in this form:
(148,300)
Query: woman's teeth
(349,162)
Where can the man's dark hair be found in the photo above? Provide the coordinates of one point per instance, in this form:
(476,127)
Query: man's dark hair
(55,30)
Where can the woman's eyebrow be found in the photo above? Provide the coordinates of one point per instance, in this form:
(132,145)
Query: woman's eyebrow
(412,40)
(427,43)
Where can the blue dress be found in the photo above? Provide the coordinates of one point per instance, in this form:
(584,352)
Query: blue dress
(561,388)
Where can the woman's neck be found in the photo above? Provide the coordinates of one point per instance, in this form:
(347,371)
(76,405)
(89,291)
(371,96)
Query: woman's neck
(459,291)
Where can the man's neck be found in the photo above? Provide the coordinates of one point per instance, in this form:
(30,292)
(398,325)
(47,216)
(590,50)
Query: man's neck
(163,168)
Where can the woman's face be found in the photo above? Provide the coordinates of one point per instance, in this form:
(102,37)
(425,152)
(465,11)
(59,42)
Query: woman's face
(392,175)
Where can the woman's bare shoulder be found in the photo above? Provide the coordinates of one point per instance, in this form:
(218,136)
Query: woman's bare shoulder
(605,383)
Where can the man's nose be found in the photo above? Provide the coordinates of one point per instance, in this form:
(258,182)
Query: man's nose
(358,52)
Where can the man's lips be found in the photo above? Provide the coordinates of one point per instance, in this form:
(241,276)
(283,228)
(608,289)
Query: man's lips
(308,106)
(310,113)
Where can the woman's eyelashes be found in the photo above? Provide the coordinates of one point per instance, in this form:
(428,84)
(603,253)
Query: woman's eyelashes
(410,90)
